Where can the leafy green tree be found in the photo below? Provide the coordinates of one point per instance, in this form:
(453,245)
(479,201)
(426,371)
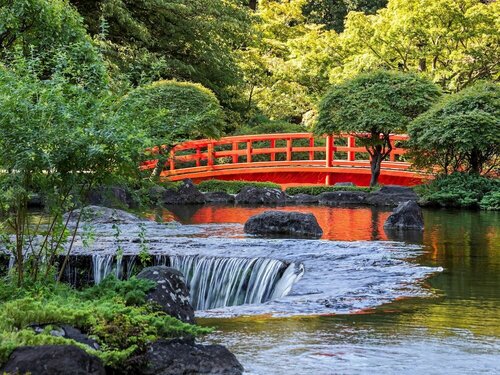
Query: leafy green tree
(170,112)
(53,32)
(372,106)
(461,132)
(453,42)
(332,13)
(58,140)
(193,40)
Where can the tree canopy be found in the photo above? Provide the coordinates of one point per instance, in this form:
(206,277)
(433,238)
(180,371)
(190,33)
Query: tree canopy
(461,132)
(374,105)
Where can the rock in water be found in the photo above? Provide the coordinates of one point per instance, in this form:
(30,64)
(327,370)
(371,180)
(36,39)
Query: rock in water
(52,360)
(179,357)
(110,196)
(407,215)
(391,195)
(171,292)
(341,198)
(253,195)
(103,215)
(219,197)
(284,223)
(186,193)
(303,199)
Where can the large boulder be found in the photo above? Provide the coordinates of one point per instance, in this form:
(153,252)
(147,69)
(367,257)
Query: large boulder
(260,196)
(284,223)
(171,292)
(391,195)
(219,197)
(52,360)
(102,215)
(185,193)
(110,196)
(303,199)
(68,332)
(407,215)
(342,198)
(180,357)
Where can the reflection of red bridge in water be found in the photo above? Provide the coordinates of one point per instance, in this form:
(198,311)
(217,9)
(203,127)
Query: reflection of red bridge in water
(289,158)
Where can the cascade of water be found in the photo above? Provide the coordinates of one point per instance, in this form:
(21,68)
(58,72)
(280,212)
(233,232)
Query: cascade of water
(102,266)
(219,282)
(215,281)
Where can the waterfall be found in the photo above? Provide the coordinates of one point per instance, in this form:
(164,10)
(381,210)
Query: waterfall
(216,281)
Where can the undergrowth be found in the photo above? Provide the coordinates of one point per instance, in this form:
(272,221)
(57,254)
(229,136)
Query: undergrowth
(318,189)
(114,313)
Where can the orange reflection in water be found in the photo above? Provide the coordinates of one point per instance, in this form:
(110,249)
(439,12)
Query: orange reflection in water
(341,224)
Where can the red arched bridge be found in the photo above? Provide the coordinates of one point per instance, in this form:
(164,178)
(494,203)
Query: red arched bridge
(288,158)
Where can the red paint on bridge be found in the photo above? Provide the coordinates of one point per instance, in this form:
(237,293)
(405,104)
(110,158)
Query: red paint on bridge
(288,159)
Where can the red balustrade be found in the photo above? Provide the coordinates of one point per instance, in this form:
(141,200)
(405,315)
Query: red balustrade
(291,155)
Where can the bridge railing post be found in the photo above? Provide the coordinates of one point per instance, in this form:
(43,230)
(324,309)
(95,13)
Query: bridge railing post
(210,154)
(171,160)
(249,151)
(272,145)
(329,157)
(198,156)
(235,152)
(311,145)
(289,149)
(351,143)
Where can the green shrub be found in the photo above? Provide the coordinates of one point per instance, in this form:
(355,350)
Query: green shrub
(491,201)
(318,189)
(233,187)
(114,313)
(462,190)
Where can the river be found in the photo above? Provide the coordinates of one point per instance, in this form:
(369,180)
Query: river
(453,330)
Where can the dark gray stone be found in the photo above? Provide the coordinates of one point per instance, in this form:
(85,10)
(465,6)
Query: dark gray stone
(178,357)
(156,193)
(407,215)
(68,332)
(303,199)
(103,215)
(219,197)
(110,196)
(341,198)
(391,195)
(52,360)
(260,196)
(171,292)
(284,223)
(186,193)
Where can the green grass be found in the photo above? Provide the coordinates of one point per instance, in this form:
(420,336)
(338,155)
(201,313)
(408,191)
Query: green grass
(232,187)
(318,189)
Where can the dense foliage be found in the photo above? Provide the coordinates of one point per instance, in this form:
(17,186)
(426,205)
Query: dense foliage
(372,106)
(462,190)
(232,187)
(113,313)
(460,133)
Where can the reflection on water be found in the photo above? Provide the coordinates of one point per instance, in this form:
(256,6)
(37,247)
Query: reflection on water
(457,333)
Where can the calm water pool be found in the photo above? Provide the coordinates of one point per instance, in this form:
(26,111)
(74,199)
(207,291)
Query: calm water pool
(457,331)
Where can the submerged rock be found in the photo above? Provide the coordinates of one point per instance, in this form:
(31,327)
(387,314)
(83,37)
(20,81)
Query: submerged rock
(102,215)
(407,215)
(340,198)
(391,195)
(284,223)
(171,292)
(52,360)
(219,197)
(186,193)
(254,195)
(181,357)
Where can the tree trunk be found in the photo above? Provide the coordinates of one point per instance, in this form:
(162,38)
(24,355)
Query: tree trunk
(375,163)
(474,162)
(252,4)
